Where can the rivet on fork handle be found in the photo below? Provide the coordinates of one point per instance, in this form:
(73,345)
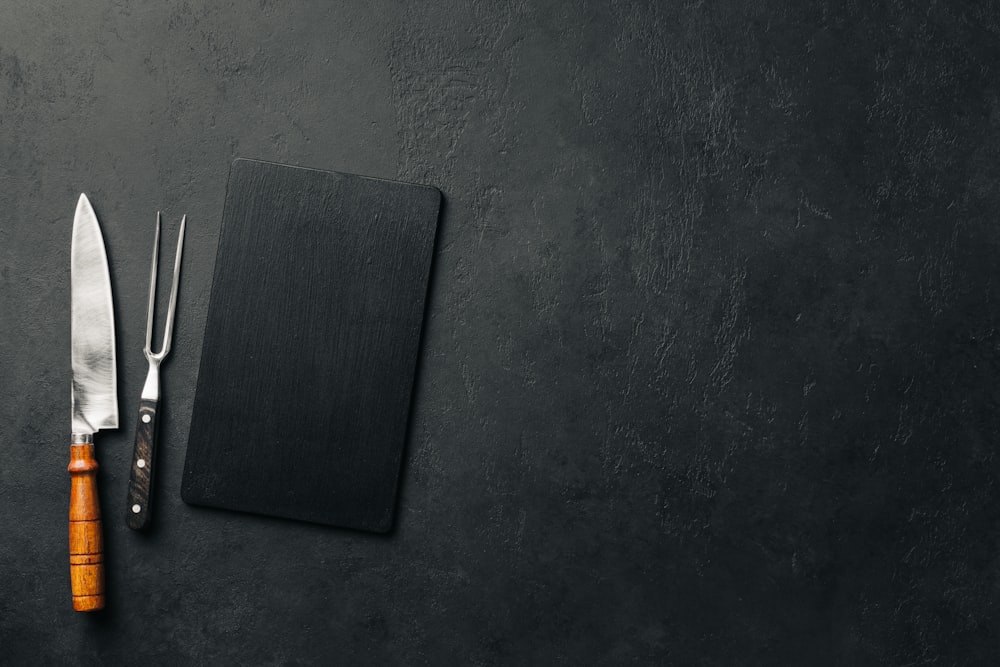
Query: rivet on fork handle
(140,485)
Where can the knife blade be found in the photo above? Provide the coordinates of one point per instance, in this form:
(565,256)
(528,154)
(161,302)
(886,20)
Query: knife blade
(94,399)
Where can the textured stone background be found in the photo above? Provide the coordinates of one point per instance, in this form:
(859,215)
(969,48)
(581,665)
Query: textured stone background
(710,368)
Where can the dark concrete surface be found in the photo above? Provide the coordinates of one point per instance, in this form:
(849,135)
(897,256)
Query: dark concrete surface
(710,369)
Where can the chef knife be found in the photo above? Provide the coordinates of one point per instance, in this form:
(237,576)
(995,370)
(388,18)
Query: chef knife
(95,402)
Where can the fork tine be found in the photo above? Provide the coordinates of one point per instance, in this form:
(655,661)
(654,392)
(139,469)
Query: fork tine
(152,289)
(168,331)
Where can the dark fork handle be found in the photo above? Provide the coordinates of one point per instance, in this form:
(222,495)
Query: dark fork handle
(138,512)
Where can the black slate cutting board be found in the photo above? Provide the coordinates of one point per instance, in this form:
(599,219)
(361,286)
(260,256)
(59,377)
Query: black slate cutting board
(311,345)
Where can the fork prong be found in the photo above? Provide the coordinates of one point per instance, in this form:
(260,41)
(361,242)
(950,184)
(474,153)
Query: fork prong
(168,331)
(152,289)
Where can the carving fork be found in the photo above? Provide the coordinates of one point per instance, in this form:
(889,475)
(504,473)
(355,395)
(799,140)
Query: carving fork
(140,484)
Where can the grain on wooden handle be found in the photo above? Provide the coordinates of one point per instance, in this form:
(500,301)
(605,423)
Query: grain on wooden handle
(138,511)
(86,541)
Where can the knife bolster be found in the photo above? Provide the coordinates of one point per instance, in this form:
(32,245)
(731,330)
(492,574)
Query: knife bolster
(86,542)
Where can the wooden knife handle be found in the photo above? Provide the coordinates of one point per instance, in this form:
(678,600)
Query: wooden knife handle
(86,541)
(140,484)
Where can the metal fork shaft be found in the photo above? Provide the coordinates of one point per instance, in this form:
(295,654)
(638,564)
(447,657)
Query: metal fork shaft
(151,388)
